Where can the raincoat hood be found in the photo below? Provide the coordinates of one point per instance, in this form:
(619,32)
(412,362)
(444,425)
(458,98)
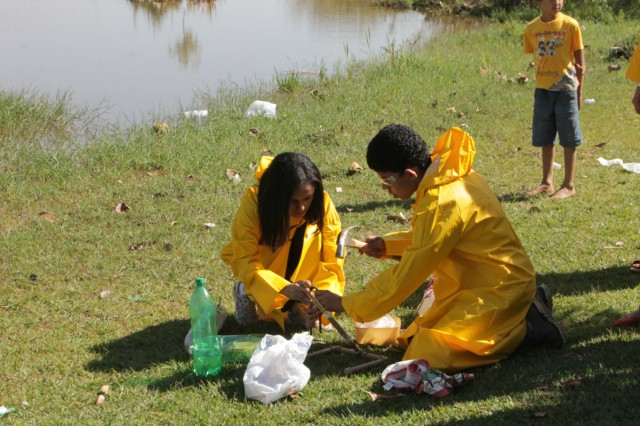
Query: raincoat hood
(263,164)
(452,158)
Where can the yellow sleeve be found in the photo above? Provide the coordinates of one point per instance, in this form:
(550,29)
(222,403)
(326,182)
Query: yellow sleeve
(436,230)
(633,72)
(396,242)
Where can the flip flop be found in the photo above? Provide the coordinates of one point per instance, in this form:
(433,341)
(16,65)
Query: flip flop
(635,266)
(629,320)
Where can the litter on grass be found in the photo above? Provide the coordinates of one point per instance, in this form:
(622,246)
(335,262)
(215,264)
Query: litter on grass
(417,375)
(260,108)
(630,167)
(4,410)
(196,113)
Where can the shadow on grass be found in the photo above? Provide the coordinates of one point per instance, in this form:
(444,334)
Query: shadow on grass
(594,383)
(158,344)
(581,282)
(515,197)
(142,349)
(373,205)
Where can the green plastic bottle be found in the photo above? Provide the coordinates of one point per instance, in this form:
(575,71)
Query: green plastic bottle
(207,357)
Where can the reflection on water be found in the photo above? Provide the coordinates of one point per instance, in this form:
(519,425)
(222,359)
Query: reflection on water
(148,58)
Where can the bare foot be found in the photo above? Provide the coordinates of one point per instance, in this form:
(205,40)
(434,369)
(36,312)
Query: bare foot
(543,187)
(562,193)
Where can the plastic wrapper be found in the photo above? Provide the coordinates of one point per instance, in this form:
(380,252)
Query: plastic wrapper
(257,108)
(276,368)
(382,332)
(417,375)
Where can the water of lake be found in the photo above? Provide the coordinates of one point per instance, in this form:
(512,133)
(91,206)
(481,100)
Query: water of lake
(137,60)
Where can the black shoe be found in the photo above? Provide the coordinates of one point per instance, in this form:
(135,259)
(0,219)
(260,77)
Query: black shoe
(542,327)
(546,294)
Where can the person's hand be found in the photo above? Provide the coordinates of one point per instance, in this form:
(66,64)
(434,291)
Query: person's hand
(298,291)
(330,301)
(375,247)
(636,100)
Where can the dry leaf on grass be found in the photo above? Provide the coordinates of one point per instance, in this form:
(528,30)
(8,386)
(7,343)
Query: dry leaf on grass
(600,145)
(375,396)
(47,216)
(233,175)
(483,71)
(121,208)
(540,414)
(572,383)
(398,217)
(104,293)
(161,127)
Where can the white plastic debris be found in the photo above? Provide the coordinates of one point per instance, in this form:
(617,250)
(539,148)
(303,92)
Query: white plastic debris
(4,410)
(209,225)
(386,321)
(630,167)
(260,108)
(590,101)
(196,113)
(338,189)
(557,166)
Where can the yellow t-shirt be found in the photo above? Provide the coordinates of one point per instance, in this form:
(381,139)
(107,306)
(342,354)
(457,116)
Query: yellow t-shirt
(633,72)
(553,45)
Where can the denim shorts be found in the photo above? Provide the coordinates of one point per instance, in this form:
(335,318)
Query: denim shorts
(556,113)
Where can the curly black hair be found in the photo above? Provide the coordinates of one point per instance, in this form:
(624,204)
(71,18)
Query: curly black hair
(397,147)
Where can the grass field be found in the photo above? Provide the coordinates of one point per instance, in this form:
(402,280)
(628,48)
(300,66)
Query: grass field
(62,242)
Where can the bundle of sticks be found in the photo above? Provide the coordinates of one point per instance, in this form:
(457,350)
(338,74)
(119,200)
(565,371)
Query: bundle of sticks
(357,350)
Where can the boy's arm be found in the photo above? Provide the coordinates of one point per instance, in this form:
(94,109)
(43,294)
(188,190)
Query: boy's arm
(580,69)
(636,99)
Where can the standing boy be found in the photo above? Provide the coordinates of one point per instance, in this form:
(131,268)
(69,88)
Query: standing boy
(486,304)
(633,73)
(555,41)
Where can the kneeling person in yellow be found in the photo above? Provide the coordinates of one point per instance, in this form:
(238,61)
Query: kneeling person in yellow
(283,240)
(485,296)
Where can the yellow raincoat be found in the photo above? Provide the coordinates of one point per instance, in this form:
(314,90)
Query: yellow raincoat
(262,271)
(485,281)
(633,72)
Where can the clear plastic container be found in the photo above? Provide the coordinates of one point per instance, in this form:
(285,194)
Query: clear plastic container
(238,347)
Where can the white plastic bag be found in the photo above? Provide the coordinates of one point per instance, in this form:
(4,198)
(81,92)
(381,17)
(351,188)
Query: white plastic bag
(276,368)
(630,167)
(260,108)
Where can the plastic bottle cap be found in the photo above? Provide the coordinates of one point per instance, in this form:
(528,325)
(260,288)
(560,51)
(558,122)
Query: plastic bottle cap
(200,281)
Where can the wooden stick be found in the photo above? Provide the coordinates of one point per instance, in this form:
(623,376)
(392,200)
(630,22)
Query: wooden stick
(357,368)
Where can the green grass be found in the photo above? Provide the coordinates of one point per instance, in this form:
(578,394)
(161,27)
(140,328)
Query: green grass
(61,342)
